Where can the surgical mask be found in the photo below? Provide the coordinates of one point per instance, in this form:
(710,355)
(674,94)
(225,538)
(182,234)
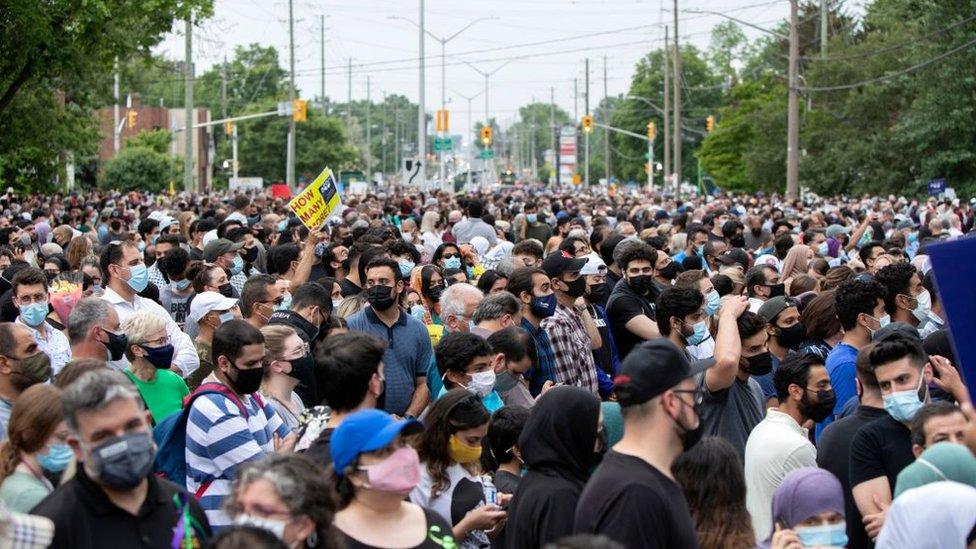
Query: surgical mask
(141,246)
(155,238)
(452,263)
(115,345)
(699,334)
(226,317)
(398,473)
(282,225)
(903,405)
(406,267)
(380,298)
(544,306)
(505,381)
(160,357)
(336,303)
(532,218)
(34,314)
(923,306)
(138,278)
(122,462)
(276,527)
(482,383)
(56,459)
(180,285)
(712,303)
(461,452)
(882,322)
(823,249)
(285,302)
(238,265)
(824,535)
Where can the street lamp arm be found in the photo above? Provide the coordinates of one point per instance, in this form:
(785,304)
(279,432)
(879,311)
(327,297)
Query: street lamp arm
(414,23)
(741,22)
(476,69)
(465,97)
(500,67)
(468,26)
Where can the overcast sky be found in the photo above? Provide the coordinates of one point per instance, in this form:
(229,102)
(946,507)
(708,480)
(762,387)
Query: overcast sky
(386,49)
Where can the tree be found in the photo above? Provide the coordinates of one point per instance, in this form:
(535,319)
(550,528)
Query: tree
(138,168)
(727,44)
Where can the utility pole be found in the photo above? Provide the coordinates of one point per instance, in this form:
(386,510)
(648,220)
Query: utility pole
(290,175)
(823,28)
(793,114)
(552,120)
(396,137)
(677,105)
(325,108)
(383,134)
(666,65)
(117,137)
(606,134)
(349,93)
(223,88)
(369,135)
(188,108)
(421,105)
(576,100)
(586,136)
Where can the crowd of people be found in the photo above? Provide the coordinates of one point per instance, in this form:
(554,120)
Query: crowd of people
(513,368)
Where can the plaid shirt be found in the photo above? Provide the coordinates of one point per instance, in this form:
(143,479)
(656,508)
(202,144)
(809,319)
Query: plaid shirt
(545,369)
(571,349)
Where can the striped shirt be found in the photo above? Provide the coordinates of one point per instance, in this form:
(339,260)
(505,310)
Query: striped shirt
(572,357)
(5,408)
(545,370)
(218,440)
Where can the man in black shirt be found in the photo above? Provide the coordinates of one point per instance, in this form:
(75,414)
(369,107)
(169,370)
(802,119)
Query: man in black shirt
(631,304)
(882,448)
(350,378)
(834,447)
(114,500)
(632,497)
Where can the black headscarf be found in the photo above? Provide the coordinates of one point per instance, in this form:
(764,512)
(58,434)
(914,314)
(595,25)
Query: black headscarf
(561,432)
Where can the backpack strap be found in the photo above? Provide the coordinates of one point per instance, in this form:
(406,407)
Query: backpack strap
(202,489)
(218,388)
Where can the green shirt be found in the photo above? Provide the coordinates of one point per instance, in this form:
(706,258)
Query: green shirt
(163,395)
(21,492)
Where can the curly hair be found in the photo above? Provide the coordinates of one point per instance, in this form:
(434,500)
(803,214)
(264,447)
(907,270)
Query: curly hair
(896,278)
(457,410)
(856,296)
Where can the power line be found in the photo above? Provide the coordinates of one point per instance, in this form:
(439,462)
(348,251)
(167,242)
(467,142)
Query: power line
(894,47)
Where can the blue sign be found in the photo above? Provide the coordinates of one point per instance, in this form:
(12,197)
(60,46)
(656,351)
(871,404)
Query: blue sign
(957,294)
(937,186)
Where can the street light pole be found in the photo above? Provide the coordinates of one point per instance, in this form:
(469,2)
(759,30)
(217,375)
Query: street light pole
(793,115)
(421,109)
(290,168)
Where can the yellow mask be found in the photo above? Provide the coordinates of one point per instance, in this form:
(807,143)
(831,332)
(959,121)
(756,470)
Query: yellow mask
(461,452)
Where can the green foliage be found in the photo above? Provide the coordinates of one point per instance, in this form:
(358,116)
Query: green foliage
(157,140)
(138,168)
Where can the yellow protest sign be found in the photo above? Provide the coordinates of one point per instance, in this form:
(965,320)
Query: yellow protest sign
(318,201)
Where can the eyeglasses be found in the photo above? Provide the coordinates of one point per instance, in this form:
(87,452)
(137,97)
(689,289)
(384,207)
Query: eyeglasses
(697,394)
(450,256)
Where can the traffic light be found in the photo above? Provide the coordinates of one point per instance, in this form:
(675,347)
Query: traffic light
(587,124)
(651,131)
(300,110)
(133,117)
(229,127)
(486,135)
(710,123)
(441,121)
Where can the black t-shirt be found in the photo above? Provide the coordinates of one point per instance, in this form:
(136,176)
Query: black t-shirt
(506,482)
(349,288)
(634,504)
(883,447)
(623,305)
(439,535)
(834,455)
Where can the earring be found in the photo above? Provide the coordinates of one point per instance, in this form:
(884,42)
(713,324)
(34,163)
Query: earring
(313,539)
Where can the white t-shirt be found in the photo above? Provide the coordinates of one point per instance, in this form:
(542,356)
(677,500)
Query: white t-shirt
(464,493)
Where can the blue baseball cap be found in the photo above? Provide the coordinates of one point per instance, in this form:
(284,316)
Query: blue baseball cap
(366,431)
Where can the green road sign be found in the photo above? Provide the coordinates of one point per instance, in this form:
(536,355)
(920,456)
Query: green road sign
(443,144)
(487,154)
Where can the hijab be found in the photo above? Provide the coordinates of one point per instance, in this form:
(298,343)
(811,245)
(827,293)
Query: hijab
(560,435)
(804,493)
(939,515)
(940,462)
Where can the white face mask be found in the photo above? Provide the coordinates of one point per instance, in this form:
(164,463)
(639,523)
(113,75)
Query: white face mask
(276,527)
(923,306)
(482,383)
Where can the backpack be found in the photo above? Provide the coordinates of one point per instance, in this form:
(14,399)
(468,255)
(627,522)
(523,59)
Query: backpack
(170,435)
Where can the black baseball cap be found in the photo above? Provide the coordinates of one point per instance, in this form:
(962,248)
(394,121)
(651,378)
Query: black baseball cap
(560,262)
(652,368)
(735,256)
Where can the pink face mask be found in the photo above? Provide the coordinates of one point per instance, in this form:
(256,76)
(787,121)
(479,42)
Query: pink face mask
(400,472)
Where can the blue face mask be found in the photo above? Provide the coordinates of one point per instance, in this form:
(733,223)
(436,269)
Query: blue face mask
(155,238)
(282,225)
(238,266)
(912,238)
(452,263)
(531,218)
(226,316)
(406,267)
(823,249)
(141,246)
(180,285)
(903,405)
(712,302)
(34,314)
(699,335)
(138,278)
(544,306)
(825,535)
(56,459)
(285,303)
(700,250)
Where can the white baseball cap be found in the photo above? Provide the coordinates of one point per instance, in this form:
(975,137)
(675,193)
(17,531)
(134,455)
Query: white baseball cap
(205,302)
(594,265)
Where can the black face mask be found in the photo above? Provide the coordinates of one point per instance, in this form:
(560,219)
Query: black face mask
(776,290)
(301,368)
(599,293)
(670,272)
(575,288)
(115,345)
(345,264)
(347,242)
(819,410)
(760,365)
(738,241)
(226,290)
(642,284)
(792,337)
(690,437)
(380,298)
(434,292)
(246,382)
(251,254)
(756,231)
